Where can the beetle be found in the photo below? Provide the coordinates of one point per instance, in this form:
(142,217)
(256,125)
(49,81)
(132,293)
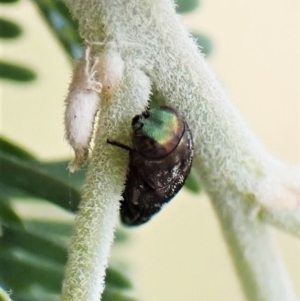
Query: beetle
(159,162)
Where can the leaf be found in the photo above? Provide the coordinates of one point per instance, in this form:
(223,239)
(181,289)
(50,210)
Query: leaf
(9,192)
(20,272)
(204,43)
(30,178)
(9,147)
(121,235)
(184,6)
(116,295)
(41,246)
(26,296)
(47,250)
(9,29)
(14,72)
(192,182)
(59,170)
(8,1)
(64,28)
(64,229)
(50,227)
(117,279)
(8,215)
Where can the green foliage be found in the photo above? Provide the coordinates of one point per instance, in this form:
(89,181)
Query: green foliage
(11,71)
(116,295)
(8,215)
(8,1)
(192,182)
(185,6)
(33,252)
(60,22)
(204,43)
(39,184)
(8,147)
(9,29)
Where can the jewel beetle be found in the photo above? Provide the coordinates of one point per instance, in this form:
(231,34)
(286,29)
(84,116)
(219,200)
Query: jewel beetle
(159,162)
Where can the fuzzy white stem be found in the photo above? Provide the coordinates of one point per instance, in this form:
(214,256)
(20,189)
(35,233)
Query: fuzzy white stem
(283,219)
(250,242)
(234,168)
(98,213)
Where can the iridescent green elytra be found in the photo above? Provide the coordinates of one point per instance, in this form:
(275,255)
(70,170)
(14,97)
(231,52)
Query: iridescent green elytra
(159,163)
(157,132)
(161,127)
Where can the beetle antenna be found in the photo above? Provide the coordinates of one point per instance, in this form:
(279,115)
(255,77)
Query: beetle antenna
(119,144)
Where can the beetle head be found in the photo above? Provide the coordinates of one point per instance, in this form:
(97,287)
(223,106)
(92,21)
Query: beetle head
(157,132)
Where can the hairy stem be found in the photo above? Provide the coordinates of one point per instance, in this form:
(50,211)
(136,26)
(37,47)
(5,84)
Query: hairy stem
(232,165)
(283,219)
(253,251)
(98,213)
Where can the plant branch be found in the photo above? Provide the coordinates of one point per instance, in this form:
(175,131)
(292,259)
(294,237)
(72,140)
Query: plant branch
(283,219)
(235,170)
(98,214)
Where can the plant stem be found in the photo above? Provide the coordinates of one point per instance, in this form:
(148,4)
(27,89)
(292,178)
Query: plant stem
(98,211)
(231,163)
(286,220)
(251,245)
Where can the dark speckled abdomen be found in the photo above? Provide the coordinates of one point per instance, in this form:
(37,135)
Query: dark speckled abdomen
(157,174)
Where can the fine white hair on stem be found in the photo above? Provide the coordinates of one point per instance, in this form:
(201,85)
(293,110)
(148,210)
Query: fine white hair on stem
(286,220)
(115,44)
(98,213)
(281,188)
(236,171)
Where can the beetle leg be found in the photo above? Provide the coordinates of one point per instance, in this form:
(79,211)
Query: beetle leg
(118,144)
